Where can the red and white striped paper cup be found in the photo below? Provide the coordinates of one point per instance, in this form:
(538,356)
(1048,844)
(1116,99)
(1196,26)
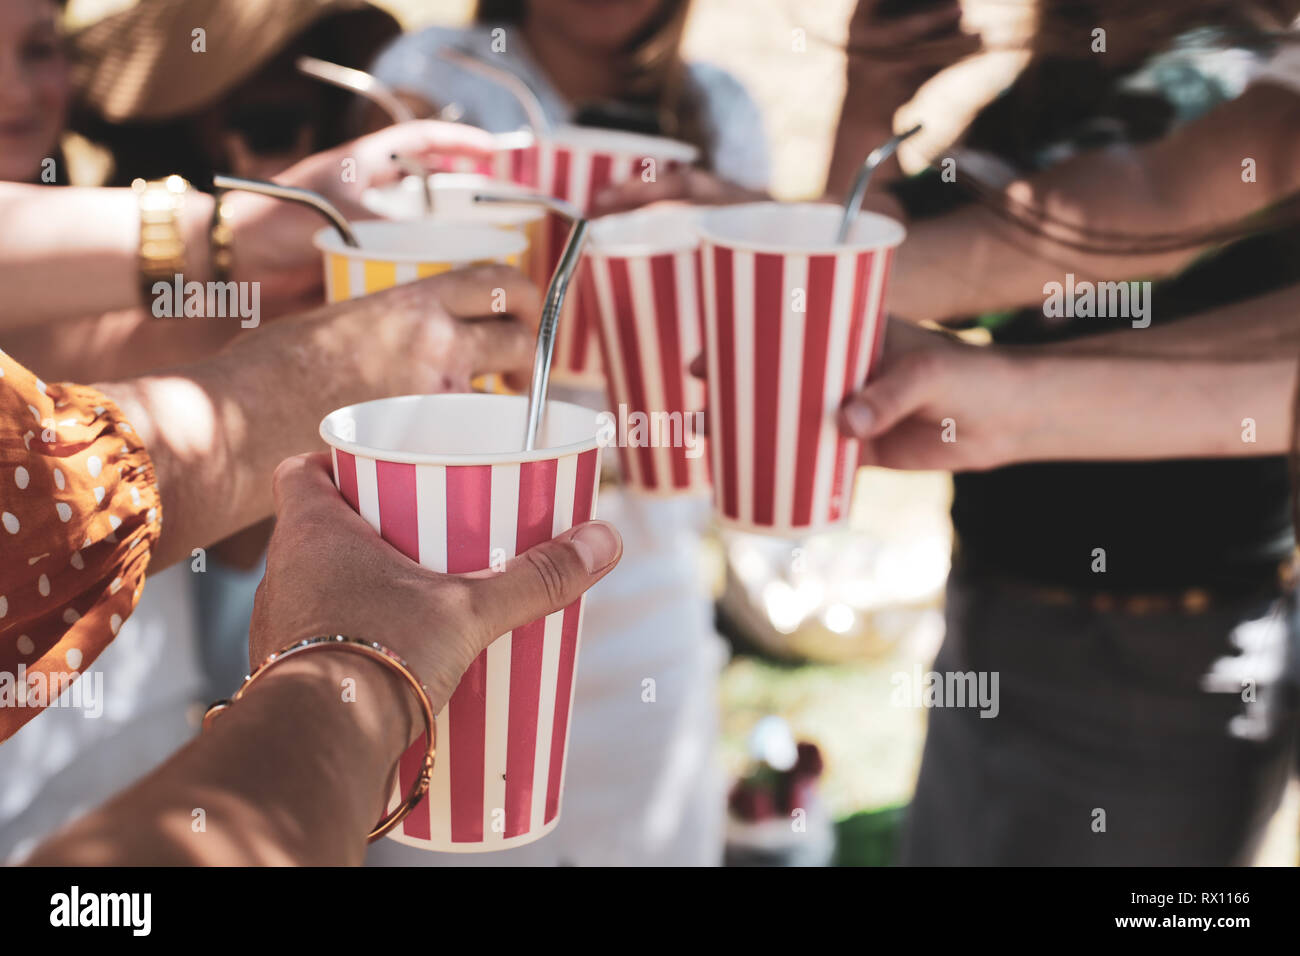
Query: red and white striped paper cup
(575,163)
(442,479)
(640,274)
(792,323)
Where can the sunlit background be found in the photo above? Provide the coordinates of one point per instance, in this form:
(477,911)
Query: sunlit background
(819,632)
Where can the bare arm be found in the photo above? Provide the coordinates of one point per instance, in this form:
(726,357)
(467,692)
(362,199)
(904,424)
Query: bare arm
(1260,328)
(888,60)
(51,235)
(1018,404)
(972,261)
(67,253)
(216,429)
(290,775)
(296,771)
(117,344)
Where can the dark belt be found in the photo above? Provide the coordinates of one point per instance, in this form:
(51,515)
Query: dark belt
(1188,600)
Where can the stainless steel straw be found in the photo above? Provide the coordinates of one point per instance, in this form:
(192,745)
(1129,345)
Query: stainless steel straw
(546,330)
(303,197)
(413,167)
(558,206)
(853,203)
(358,81)
(513,84)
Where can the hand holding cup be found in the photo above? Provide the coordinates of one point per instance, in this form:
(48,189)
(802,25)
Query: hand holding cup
(328,572)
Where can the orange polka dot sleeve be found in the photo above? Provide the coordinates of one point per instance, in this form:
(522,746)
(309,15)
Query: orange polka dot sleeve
(79,515)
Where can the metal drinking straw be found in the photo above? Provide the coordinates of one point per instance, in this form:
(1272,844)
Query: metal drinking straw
(553,305)
(557,206)
(358,81)
(546,330)
(303,197)
(413,167)
(853,203)
(513,84)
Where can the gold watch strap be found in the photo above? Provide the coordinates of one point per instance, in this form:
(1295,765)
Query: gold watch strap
(162,243)
(221,238)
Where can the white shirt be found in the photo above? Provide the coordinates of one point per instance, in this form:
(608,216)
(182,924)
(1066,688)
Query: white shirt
(729,116)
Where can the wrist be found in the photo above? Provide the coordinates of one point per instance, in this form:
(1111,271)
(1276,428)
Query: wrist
(194,227)
(1033,420)
(355,693)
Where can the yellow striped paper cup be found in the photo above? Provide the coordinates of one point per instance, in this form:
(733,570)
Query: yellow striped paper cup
(392,253)
(453,203)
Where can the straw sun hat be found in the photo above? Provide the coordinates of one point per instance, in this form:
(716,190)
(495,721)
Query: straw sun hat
(141,66)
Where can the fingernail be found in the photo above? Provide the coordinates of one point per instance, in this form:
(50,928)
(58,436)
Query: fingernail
(859,418)
(597,546)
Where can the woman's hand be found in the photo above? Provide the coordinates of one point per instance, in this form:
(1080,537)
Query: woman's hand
(342,174)
(272,238)
(889,59)
(900,53)
(328,572)
(937,403)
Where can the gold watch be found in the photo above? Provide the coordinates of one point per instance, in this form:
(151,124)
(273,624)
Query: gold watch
(162,243)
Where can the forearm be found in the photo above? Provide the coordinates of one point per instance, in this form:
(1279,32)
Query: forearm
(71,252)
(972,260)
(1092,408)
(115,345)
(1259,328)
(217,429)
(293,773)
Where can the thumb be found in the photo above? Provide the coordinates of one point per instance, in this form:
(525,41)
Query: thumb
(546,578)
(895,395)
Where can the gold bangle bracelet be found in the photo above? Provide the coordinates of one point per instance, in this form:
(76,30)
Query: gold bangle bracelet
(386,657)
(221,238)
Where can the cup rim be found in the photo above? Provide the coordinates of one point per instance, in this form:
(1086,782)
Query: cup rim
(622,142)
(328,240)
(521,213)
(638,248)
(521,138)
(452,460)
(497,215)
(709,219)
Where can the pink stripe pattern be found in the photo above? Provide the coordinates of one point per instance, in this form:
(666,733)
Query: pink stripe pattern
(650,327)
(576,175)
(502,738)
(788,338)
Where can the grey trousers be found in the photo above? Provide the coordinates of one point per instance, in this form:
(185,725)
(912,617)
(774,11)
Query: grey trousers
(1119,740)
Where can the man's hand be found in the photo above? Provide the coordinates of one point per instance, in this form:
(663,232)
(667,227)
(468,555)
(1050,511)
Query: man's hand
(437,334)
(936,403)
